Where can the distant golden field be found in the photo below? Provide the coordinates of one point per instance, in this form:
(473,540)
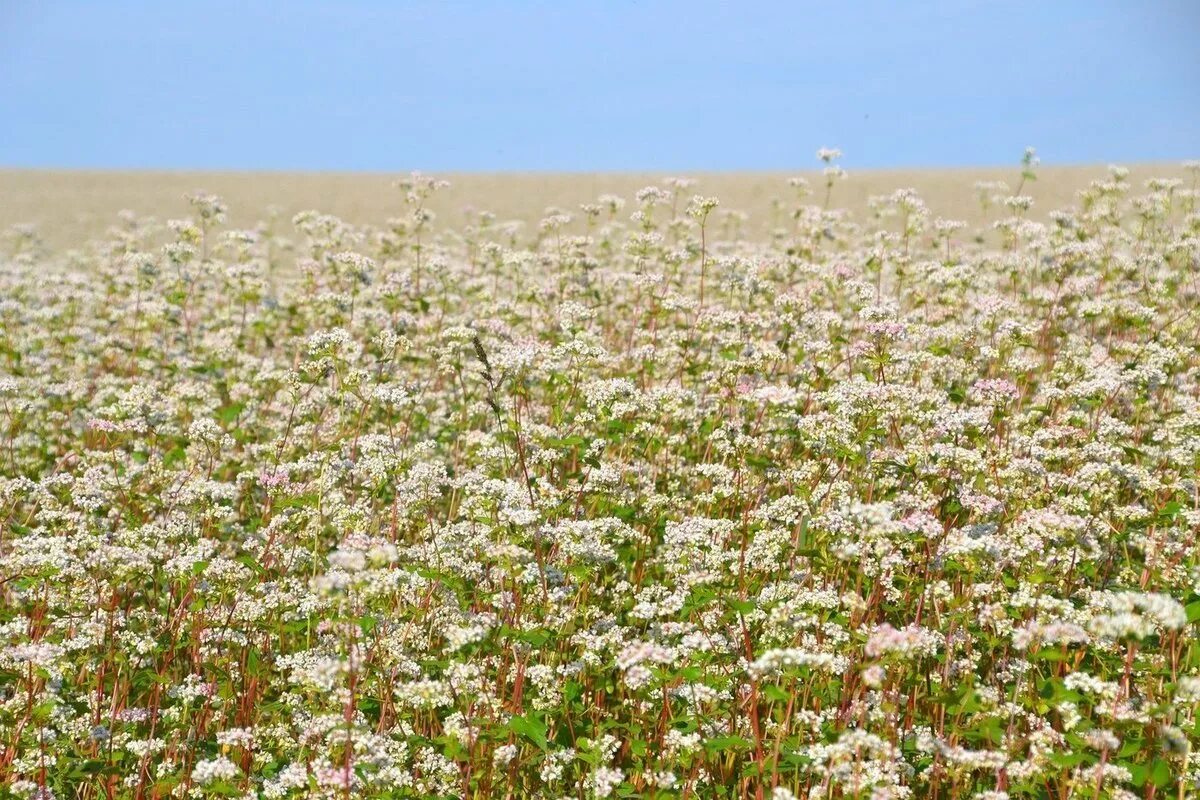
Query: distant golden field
(69,207)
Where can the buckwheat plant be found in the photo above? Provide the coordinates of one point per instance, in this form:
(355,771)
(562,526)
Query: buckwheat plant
(631,503)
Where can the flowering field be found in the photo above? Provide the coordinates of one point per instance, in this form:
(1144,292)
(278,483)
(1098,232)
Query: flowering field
(630,503)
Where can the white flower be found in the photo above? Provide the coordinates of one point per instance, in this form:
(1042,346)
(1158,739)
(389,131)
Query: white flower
(216,769)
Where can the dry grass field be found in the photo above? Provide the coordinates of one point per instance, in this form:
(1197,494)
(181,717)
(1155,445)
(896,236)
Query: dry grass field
(69,207)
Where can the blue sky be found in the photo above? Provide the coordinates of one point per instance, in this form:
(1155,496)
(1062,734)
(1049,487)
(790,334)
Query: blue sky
(575,85)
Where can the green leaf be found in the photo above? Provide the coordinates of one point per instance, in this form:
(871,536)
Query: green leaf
(248,560)
(531,728)
(722,743)
(87,768)
(1160,773)
(230,413)
(1170,510)
(776,693)
(223,789)
(176,455)
(742,606)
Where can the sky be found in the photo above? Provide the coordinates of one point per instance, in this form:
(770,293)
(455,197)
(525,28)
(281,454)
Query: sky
(574,85)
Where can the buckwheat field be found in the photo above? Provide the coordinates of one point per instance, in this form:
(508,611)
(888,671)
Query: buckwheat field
(646,498)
